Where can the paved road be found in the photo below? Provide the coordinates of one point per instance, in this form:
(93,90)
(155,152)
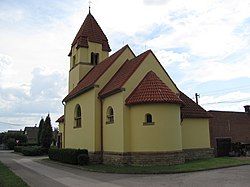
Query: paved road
(37,174)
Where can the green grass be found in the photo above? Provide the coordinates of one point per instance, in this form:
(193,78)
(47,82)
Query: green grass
(9,179)
(198,165)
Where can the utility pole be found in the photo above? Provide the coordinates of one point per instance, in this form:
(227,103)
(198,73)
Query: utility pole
(196,97)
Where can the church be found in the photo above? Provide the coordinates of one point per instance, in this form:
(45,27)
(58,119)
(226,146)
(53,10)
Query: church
(125,108)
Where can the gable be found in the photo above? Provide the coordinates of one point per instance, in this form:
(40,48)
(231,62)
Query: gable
(90,79)
(150,63)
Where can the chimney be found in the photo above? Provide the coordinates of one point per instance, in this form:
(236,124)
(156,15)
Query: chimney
(247,109)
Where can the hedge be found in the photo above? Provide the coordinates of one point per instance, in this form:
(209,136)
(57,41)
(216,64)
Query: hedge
(69,156)
(34,151)
(18,149)
(83,159)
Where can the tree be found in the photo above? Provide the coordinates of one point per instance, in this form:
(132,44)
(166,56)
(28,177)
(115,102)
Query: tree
(41,124)
(46,135)
(10,139)
(1,137)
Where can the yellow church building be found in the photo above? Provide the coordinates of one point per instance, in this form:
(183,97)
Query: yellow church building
(125,108)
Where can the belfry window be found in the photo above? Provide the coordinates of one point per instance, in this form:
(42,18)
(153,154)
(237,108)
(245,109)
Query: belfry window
(78,116)
(110,115)
(148,119)
(94,58)
(74,61)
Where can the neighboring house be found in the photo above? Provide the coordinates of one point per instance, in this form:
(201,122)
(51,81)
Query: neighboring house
(229,127)
(32,134)
(125,109)
(60,136)
(15,131)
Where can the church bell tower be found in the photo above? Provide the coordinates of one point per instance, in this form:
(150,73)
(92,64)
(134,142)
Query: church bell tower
(89,48)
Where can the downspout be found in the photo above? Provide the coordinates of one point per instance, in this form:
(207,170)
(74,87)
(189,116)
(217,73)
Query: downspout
(64,104)
(101,129)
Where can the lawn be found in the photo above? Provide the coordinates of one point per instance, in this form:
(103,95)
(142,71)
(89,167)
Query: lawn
(198,165)
(8,178)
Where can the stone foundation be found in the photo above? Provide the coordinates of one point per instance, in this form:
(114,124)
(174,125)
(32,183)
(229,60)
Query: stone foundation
(150,158)
(195,154)
(143,158)
(95,157)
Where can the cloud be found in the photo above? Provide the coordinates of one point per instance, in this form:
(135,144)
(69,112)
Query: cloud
(155,2)
(205,71)
(233,101)
(45,95)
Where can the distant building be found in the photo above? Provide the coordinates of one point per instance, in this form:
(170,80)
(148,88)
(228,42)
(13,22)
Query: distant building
(31,133)
(15,131)
(60,136)
(229,127)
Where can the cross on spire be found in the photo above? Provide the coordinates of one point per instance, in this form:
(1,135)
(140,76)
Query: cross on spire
(90,5)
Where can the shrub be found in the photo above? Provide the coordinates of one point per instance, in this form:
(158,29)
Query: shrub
(33,150)
(9,139)
(69,156)
(10,143)
(83,159)
(18,149)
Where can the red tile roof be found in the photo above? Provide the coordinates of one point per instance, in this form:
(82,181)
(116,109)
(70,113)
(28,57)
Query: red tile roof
(192,109)
(90,31)
(152,90)
(94,74)
(61,119)
(122,75)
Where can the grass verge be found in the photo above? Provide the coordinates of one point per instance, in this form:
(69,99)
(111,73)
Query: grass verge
(8,178)
(199,165)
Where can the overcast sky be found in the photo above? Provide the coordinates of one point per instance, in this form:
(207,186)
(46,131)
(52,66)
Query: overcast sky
(203,45)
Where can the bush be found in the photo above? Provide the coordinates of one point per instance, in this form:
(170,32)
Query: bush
(33,151)
(69,156)
(83,159)
(10,143)
(18,149)
(9,139)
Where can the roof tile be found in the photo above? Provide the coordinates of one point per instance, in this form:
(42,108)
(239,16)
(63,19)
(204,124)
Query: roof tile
(192,109)
(152,90)
(91,31)
(61,119)
(123,74)
(94,74)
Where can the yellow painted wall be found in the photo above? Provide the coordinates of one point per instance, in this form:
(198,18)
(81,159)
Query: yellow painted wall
(113,133)
(164,135)
(149,64)
(195,133)
(61,130)
(103,80)
(83,62)
(83,137)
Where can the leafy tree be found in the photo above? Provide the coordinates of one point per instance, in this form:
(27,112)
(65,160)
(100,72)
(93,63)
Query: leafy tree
(1,137)
(9,139)
(41,124)
(46,135)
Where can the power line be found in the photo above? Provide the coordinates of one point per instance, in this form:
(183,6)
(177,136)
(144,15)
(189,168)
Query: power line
(13,124)
(222,102)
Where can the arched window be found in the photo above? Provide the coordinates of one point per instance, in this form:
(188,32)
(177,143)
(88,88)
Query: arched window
(94,58)
(74,61)
(78,116)
(110,115)
(148,119)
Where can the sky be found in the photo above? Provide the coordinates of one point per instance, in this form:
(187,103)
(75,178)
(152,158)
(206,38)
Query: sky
(203,45)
